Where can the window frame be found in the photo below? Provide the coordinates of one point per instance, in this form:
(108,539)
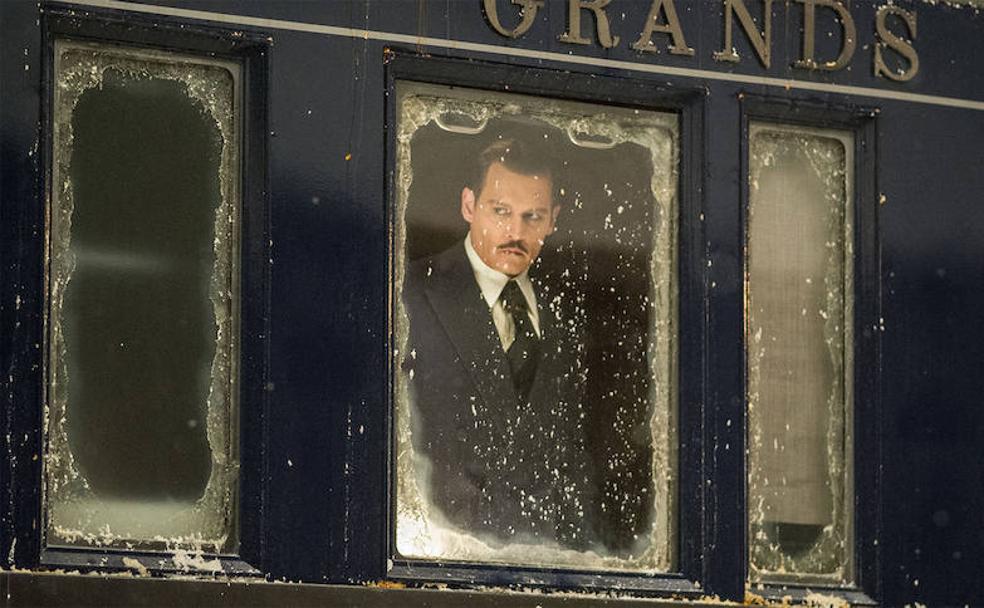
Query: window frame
(690,578)
(249,50)
(861,122)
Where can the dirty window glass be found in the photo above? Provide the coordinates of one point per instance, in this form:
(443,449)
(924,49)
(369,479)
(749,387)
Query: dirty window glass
(142,321)
(799,336)
(535,354)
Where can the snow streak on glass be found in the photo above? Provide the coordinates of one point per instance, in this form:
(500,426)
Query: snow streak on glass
(535,423)
(142,323)
(799,336)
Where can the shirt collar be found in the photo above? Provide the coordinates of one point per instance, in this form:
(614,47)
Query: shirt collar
(492,282)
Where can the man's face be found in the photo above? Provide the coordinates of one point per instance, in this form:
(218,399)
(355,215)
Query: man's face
(510,219)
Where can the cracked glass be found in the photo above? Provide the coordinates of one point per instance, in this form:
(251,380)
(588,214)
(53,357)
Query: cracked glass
(535,316)
(142,323)
(799,336)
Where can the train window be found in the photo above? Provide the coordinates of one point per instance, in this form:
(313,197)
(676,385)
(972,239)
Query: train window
(535,355)
(142,322)
(800,364)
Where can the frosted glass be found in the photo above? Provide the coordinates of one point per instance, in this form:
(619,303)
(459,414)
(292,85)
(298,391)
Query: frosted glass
(582,472)
(799,354)
(143,288)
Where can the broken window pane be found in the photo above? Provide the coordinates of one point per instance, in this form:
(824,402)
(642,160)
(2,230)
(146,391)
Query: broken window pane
(143,287)
(535,417)
(799,336)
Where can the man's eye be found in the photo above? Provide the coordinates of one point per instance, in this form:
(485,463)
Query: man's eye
(533,217)
(500,210)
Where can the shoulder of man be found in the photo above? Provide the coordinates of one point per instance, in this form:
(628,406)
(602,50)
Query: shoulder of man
(451,261)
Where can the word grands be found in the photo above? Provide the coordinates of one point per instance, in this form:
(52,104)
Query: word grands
(663,19)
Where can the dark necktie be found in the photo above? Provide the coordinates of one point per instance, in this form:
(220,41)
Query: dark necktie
(525,349)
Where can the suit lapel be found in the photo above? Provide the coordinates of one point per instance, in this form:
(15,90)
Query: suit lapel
(464,314)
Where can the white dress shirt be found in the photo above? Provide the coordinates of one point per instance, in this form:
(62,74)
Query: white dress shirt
(492,282)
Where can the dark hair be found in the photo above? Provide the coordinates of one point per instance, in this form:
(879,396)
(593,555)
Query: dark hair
(532,155)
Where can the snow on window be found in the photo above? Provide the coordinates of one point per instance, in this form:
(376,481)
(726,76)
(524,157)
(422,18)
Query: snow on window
(143,289)
(536,428)
(799,336)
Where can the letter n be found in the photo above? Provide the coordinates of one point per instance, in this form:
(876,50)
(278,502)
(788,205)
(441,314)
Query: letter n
(761,41)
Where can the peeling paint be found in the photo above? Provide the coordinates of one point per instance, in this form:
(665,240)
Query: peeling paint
(195,561)
(136,565)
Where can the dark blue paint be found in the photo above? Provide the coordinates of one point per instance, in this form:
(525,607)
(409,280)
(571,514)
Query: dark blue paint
(723,406)
(322,366)
(20,280)
(934,471)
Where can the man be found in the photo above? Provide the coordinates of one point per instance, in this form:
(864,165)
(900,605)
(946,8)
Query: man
(492,370)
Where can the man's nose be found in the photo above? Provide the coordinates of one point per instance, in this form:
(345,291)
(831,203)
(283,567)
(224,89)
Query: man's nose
(515,227)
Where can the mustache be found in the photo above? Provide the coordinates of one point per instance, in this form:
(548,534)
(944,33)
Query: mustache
(515,245)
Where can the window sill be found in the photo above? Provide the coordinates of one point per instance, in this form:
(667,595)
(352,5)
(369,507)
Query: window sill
(70,589)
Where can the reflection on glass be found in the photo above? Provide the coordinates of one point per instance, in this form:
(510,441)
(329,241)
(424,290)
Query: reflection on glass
(535,350)
(799,352)
(142,322)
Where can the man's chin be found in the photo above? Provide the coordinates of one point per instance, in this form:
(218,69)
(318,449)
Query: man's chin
(514,266)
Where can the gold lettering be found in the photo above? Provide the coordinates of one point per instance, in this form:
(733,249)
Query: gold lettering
(900,46)
(671,27)
(527,14)
(848,30)
(761,42)
(573,33)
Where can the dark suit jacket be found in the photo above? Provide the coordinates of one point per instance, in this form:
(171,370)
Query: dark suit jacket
(502,468)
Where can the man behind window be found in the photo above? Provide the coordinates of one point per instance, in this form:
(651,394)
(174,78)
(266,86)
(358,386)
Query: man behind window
(492,365)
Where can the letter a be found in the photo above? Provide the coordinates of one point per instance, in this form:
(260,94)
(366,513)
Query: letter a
(671,27)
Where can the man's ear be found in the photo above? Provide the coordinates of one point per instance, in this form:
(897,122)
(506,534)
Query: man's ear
(467,204)
(554,212)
